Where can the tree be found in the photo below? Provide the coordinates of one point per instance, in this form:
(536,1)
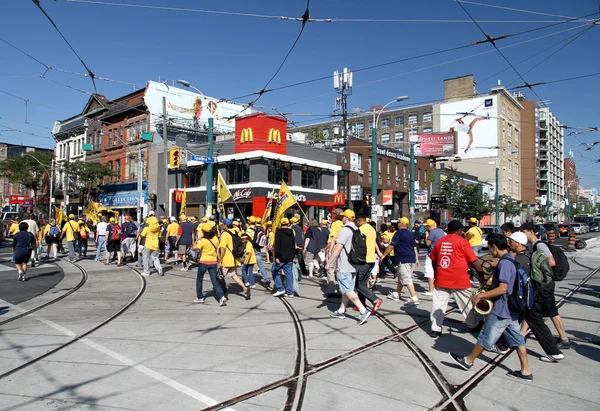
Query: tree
(540,210)
(509,206)
(87,178)
(30,170)
(316,135)
(464,201)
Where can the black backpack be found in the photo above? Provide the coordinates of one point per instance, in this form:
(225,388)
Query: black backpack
(358,251)
(238,250)
(562,267)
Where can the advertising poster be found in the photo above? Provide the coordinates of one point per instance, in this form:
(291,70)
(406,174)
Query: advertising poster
(437,145)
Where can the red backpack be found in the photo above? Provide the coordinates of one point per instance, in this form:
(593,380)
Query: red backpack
(115,233)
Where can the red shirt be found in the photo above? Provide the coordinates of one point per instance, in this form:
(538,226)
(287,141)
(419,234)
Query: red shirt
(451,256)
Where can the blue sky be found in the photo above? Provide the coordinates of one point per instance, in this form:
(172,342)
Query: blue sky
(230,56)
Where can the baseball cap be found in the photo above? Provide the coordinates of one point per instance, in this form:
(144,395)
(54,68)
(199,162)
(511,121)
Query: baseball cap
(252,219)
(519,237)
(349,214)
(294,220)
(285,221)
(324,221)
(207,227)
(112,220)
(430,222)
(405,221)
(528,226)
(173,219)
(269,223)
(182,217)
(257,219)
(204,219)
(227,222)
(472,220)
(338,211)
(71,217)
(151,213)
(236,222)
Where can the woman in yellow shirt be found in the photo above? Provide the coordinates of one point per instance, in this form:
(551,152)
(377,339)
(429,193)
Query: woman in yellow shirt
(270,242)
(208,260)
(52,235)
(249,261)
(84,232)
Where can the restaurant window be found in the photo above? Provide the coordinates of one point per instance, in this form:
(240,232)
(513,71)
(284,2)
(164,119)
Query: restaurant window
(279,171)
(238,172)
(311,177)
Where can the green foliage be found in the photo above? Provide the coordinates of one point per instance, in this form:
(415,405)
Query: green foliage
(86,178)
(316,134)
(29,170)
(540,210)
(509,206)
(464,201)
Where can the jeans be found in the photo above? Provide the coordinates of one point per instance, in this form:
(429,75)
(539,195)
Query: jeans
(289,279)
(494,327)
(261,267)
(71,247)
(100,246)
(212,272)
(83,246)
(362,278)
(248,274)
(151,257)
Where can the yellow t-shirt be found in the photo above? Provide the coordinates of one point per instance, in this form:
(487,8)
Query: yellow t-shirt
(84,230)
(335,229)
(476,239)
(208,250)
(387,237)
(173,229)
(250,258)
(152,239)
(14,229)
(271,238)
(227,243)
(371,239)
(70,227)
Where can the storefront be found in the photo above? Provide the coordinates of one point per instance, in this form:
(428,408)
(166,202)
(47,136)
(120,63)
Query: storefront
(124,198)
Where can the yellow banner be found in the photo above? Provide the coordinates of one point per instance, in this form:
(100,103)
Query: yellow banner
(284,201)
(59,216)
(183,201)
(267,213)
(91,212)
(223,194)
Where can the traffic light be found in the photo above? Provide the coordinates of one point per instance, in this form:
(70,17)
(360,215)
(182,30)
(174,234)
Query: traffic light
(174,158)
(368,200)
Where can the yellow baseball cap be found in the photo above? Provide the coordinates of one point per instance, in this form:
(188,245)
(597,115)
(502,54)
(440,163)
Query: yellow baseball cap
(323,221)
(269,223)
(71,217)
(285,221)
(294,220)
(251,219)
(235,222)
(257,219)
(112,220)
(349,213)
(204,219)
(405,221)
(472,220)
(206,227)
(430,222)
(182,217)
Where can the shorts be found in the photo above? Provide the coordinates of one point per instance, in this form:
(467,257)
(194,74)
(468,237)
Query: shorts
(229,271)
(428,268)
(183,249)
(405,271)
(494,327)
(346,281)
(22,258)
(308,257)
(113,245)
(50,240)
(546,303)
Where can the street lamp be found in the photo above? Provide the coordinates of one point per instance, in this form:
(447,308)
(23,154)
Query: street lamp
(374,157)
(209,166)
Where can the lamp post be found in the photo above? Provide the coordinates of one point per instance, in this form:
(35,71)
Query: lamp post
(374,157)
(209,166)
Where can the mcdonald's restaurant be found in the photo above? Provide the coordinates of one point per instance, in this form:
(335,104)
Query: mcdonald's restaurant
(253,165)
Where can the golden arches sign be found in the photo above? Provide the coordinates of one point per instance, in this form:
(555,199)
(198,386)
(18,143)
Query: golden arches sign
(274,136)
(246,136)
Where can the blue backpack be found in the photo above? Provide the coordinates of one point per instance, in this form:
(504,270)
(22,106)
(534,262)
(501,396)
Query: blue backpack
(521,298)
(54,231)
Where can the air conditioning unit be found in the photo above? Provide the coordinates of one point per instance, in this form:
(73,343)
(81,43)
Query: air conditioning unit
(360,172)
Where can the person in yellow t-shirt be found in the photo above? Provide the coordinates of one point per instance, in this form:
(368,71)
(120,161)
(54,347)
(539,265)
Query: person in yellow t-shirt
(474,235)
(270,241)
(171,238)
(207,246)
(69,229)
(364,279)
(84,232)
(227,263)
(249,261)
(151,241)
(14,228)
(332,288)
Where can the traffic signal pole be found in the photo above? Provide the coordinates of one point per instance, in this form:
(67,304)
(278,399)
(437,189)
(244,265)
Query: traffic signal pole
(210,168)
(373,173)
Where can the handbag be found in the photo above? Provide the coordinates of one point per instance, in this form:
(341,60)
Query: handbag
(76,234)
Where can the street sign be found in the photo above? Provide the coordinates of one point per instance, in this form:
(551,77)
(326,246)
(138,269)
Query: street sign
(203,159)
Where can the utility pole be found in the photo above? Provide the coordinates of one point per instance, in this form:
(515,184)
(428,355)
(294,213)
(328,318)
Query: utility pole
(569,203)
(548,207)
(166,155)
(210,168)
(342,83)
(412,184)
(497,194)
(139,183)
(373,174)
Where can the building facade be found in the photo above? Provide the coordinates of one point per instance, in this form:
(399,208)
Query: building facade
(571,181)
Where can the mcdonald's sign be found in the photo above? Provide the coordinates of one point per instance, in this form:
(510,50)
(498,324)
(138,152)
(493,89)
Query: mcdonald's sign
(339,199)
(246,136)
(274,136)
(178,194)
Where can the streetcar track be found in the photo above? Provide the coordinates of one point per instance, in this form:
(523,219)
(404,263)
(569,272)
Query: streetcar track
(86,333)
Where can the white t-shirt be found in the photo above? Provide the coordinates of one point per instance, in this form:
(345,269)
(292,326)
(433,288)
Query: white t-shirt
(101,228)
(33,227)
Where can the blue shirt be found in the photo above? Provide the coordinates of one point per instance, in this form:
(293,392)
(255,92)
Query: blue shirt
(434,236)
(404,247)
(506,272)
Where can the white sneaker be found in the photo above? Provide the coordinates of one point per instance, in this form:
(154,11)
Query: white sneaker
(278,293)
(145,274)
(183,269)
(427,293)
(393,295)
(222,302)
(247,284)
(160,271)
(412,302)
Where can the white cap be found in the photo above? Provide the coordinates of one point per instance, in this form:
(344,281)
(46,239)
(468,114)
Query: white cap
(151,213)
(519,237)
(173,219)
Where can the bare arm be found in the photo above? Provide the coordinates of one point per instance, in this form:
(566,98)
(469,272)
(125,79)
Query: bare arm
(387,251)
(334,254)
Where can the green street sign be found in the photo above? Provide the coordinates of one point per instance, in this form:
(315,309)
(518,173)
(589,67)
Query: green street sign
(87,147)
(147,136)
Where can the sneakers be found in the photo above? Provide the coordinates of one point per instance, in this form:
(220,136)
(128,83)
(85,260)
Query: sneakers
(435,334)
(32,262)
(183,268)
(376,306)
(222,302)
(290,296)
(364,317)
(552,358)
(518,374)
(160,271)
(564,344)
(412,302)
(267,284)
(247,284)
(253,286)
(337,314)
(499,350)
(21,276)
(199,300)
(393,295)
(461,361)
(278,293)
(427,293)
(145,274)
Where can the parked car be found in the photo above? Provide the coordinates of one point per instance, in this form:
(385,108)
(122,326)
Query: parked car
(563,229)
(487,229)
(594,226)
(6,219)
(578,228)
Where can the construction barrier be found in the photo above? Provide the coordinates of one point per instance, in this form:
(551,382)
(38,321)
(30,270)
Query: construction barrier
(551,236)
(571,242)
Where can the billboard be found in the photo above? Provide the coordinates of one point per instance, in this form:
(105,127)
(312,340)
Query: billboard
(475,122)
(437,145)
(421,197)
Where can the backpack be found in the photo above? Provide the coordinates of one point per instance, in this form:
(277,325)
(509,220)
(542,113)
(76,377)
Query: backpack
(54,231)
(521,298)
(238,250)
(260,239)
(129,229)
(115,233)
(562,267)
(358,250)
(541,272)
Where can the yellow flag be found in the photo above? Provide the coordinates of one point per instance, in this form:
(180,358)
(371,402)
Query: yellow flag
(91,212)
(284,201)
(183,201)
(223,194)
(267,213)
(58,215)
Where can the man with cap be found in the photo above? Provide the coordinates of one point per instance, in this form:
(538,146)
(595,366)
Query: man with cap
(474,236)
(113,244)
(346,272)
(171,238)
(284,251)
(185,239)
(517,243)
(151,234)
(298,266)
(227,262)
(419,232)
(336,225)
(315,240)
(69,230)
(450,258)
(406,254)
(128,244)
(254,232)
(207,246)
(365,278)
(548,306)
(433,235)
(33,228)
(100,238)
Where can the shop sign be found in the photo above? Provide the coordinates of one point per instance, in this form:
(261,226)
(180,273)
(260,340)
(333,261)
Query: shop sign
(122,198)
(396,155)
(439,198)
(178,194)
(244,193)
(339,199)
(421,197)
(356,193)
(22,200)
(387,197)
(300,198)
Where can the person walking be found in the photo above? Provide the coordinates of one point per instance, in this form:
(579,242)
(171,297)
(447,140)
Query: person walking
(501,321)
(151,235)
(431,238)
(207,246)
(140,241)
(84,233)
(450,258)
(474,235)
(171,239)
(365,279)
(315,240)
(249,261)
(113,243)
(298,267)
(100,238)
(128,244)
(23,242)
(259,237)
(406,254)
(52,235)
(284,253)
(71,233)
(227,262)
(184,241)
(336,225)
(346,272)
(33,228)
